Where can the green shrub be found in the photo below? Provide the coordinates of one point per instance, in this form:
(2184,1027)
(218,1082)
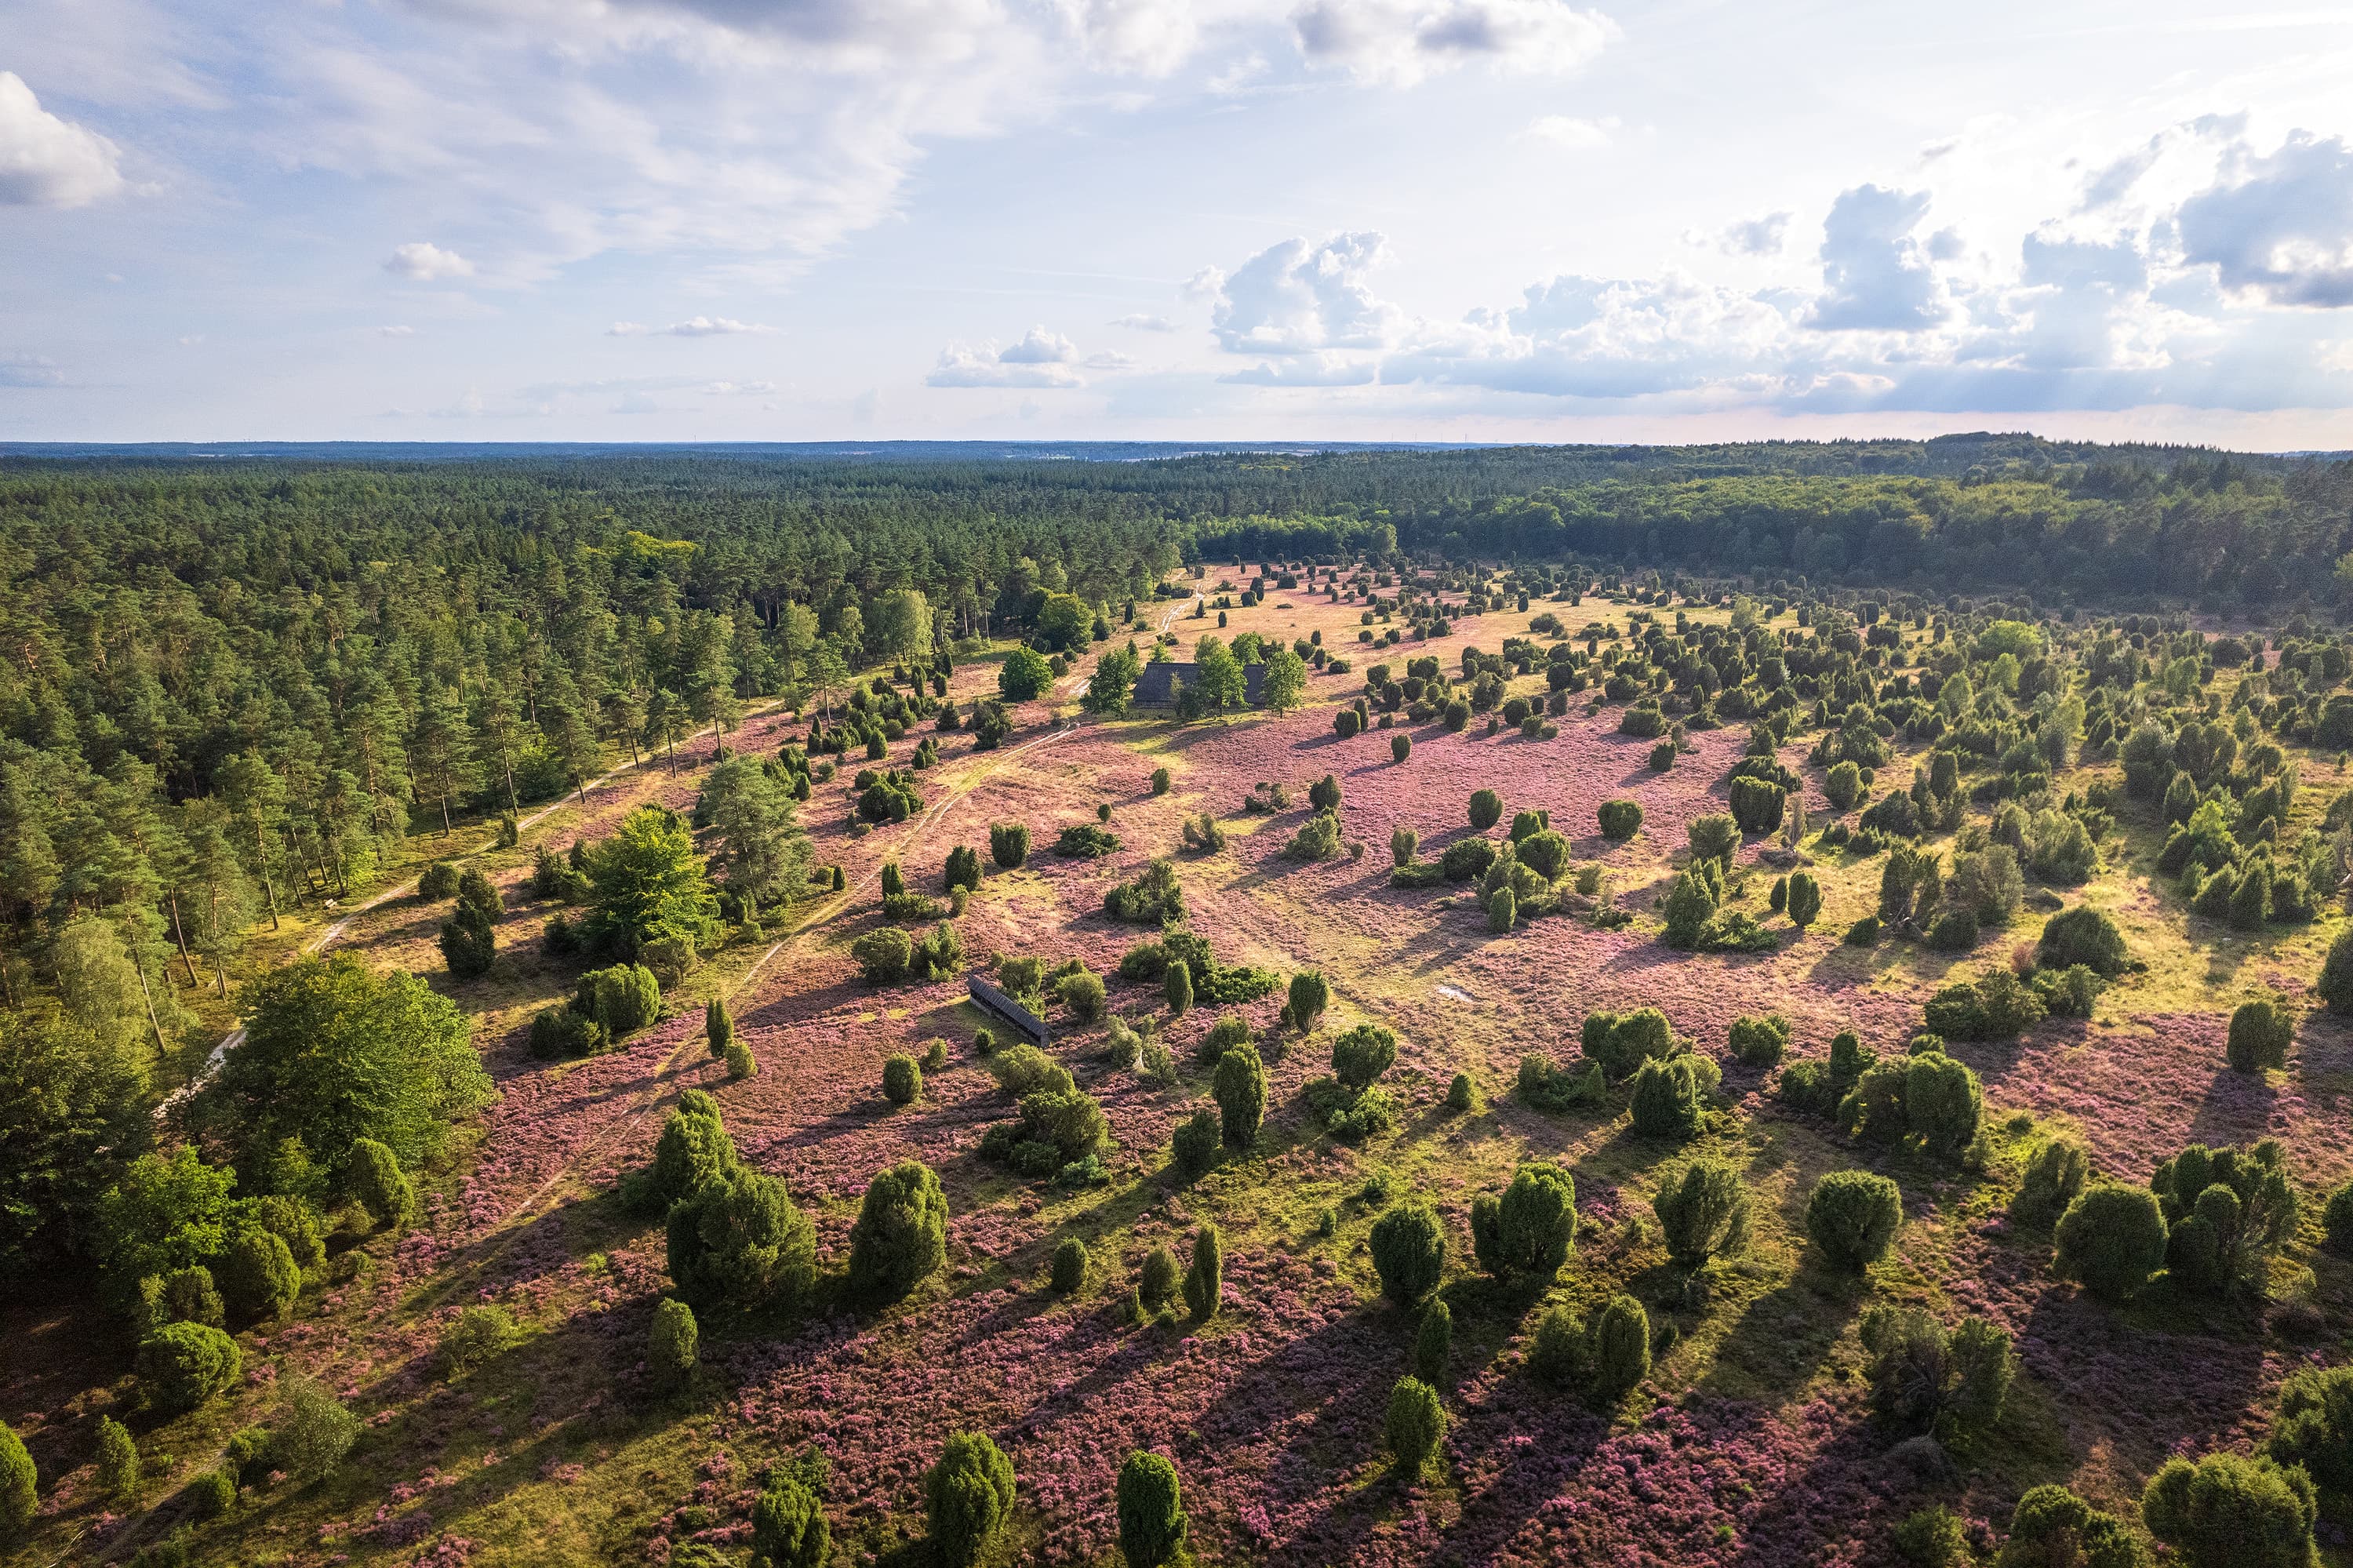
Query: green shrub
(1805,901)
(259,1276)
(118,1466)
(1466,859)
(2053,1528)
(963,869)
(1416,1426)
(1009,844)
(1503,911)
(718,1028)
(1931,1537)
(20,1496)
(1460,1094)
(788,1528)
(692,1152)
(1623,1042)
(1703,1211)
(2336,1219)
(1070,1274)
(1864,933)
(2335,986)
(1995,1006)
(1205,1276)
(2259,1033)
(1545,1087)
(674,1344)
(1852,1216)
(181,1366)
(1758,1041)
(1556,1348)
(2083,936)
(1926,1379)
(312,1432)
(903,1080)
(1177,986)
(1086,842)
(742,1242)
(211,1493)
(439,880)
(1362,1054)
(561,1032)
(1433,1342)
(2313,1426)
(1532,1227)
(1160,780)
(2227,1511)
(1400,745)
(1193,1147)
(970,1495)
(1486,809)
(1954,931)
(901,1235)
(1670,1098)
(2111,1239)
(1619,820)
(1151,1514)
(2055,1177)
(1240,1086)
(478,1336)
(375,1181)
(1157,1280)
(741,1063)
(1619,1355)
(1409,1253)
(1304,1005)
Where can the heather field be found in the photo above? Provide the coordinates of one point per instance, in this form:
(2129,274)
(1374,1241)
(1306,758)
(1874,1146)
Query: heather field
(1751,1437)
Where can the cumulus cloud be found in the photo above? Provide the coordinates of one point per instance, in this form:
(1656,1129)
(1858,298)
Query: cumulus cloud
(1302,296)
(693,326)
(1108,359)
(1754,235)
(1875,276)
(424,262)
(1039,347)
(397,330)
(1040,360)
(2278,227)
(1401,41)
(1141,321)
(48,161)
(1312,370)
(1568,130)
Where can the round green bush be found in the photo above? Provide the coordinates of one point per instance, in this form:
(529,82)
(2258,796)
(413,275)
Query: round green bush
(1009,844)
(211,1493)
(562,1031)
(478,1336)
(311,1432)
(1416,1424)
(1362,1054)
(2336,1219)
(1533,1224)
(1758,1041)
(901,1235)
(1486,809)
(1193,1147)
(2054,1176)
(181,1366)
(2313,1425)
(2052,1525)
(1160,779)
(1070,1274)
(1619,820)
(1176,987)
(674,1344)
(439,880)
(1401,746)
(2335,986)
(1852,1216)
(1460,1094)
(1805,901)
(2083,936)
(970,1495)
(258,1276)
(2259,1033)
(1409,1253)
(1668,1099)
(1620,1353)
(963,868)
(718,1028)
(20,1495)
(1703,1211)
(2226,1510)
(1503,910)
(1157,1280)
(741,1063)
(903,1080)
(1151,1513)
(2111,1239)
(788,1528)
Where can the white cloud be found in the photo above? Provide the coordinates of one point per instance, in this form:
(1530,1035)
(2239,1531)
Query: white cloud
(1754,235)
(425,262)
(1108,359)
(1402,41)
(2279,227)
(693,326)
(397,331)
(48,161)
(1568,130)
(1141,321)
(1039,347)
(1875,276)
(1311,370)
(30,370)
(961,366)
(1304,297)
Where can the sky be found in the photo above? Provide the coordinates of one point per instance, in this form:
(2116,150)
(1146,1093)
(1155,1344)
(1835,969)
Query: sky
(1526,220)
